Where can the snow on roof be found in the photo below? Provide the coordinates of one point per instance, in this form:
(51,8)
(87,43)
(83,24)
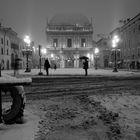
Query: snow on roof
(69,19)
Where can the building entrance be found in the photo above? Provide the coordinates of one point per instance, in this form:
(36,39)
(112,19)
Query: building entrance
(69,61)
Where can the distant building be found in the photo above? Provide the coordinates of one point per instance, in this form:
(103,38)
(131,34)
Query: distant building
(68,38)
(118,48)
(128,49)
(10,48)
(5,49)
(130,43)
(105,53)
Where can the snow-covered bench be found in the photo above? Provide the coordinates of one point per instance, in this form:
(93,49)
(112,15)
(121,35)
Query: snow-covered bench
(14,86)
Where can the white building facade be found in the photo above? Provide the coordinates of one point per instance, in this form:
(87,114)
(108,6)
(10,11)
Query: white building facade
(68,38)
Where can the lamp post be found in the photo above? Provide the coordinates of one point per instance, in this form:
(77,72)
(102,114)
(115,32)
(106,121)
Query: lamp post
(40,54)
(115,42)
(96,51)
(27,52)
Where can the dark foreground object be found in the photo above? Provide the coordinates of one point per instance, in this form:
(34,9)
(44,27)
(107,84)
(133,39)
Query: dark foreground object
(15,91)
(15,112)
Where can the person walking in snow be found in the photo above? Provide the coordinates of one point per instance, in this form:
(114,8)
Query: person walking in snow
(85,66)
(47,66)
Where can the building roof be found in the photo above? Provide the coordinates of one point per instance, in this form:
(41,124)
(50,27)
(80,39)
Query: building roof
(69,19)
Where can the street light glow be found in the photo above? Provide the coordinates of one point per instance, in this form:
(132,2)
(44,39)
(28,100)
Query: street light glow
(115,40)
(88,55)
(34,49)
(114,45)
(43,51)
(27,40)
(96,50)
(52,55)
(27,51)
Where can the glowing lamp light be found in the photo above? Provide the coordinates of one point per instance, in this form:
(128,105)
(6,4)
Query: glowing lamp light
(55,44)
(84,44)
(43,51)
(27,52)
(34,49)
(96,50)
(114,45)
(115,40)
(88,55)
(52,55)
(27,40)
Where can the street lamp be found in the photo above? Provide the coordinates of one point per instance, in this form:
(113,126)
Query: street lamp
(27,52)
(115,42)
(39,48)
(41,51)
(96,52)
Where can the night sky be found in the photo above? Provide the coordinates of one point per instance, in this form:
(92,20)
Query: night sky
(29,16)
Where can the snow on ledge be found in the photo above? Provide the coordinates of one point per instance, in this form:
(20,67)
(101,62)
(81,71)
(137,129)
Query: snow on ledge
(8,79)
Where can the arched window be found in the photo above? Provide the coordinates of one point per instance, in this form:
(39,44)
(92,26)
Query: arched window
(83,42)
(69,42)
(55,42)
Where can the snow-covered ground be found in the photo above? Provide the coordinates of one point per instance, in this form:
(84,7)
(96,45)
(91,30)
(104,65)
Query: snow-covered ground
(91,117)
(78,71)
(88,118)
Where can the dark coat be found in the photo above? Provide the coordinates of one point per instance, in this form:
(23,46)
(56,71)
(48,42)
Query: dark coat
(85,65)
(16,64)
(46,64)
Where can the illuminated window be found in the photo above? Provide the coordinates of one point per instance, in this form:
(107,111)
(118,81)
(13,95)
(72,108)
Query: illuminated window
(55,42)
(69,42)
(83,42)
